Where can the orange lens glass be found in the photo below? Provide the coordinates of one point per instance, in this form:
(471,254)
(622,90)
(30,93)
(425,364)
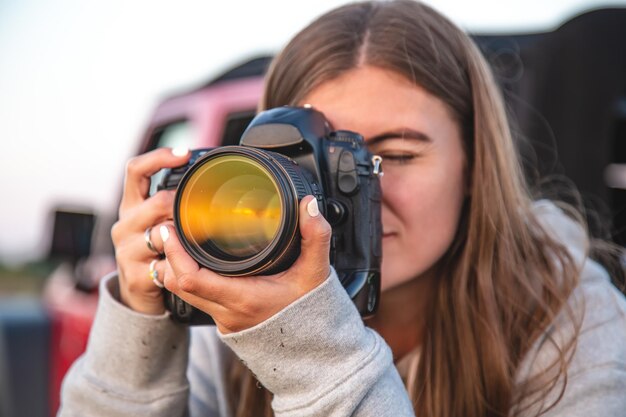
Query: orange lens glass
(231,203)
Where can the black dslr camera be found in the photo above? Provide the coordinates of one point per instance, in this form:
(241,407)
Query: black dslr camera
(236,207)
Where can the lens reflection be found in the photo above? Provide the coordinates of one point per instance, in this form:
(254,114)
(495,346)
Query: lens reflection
(230,207)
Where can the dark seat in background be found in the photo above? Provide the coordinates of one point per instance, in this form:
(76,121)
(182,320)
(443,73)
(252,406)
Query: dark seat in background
(566,90)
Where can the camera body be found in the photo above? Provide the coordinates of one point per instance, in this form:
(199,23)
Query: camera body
(299,145)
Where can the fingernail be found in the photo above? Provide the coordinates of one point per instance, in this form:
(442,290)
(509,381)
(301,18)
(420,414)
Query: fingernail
(165,233)
(180,151)
(312,208)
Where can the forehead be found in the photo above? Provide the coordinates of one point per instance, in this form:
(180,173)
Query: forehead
(369,100)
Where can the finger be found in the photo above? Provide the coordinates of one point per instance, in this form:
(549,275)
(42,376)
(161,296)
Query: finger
(140,168)
(315,243)
(189,276)
(184,277)
(181,263)
(152,233)
(156,209)
(135,221)
(138,286)
(171,283)
(156,272)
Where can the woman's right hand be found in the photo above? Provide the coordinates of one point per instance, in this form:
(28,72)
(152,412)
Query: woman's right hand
(137,213)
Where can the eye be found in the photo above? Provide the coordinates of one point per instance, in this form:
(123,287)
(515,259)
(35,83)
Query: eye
(398,150)
(397,157)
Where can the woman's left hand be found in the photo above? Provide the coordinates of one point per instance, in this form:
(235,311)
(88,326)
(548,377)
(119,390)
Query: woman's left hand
(238,303)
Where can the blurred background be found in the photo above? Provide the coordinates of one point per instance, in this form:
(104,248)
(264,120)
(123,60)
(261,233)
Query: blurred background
(86,85)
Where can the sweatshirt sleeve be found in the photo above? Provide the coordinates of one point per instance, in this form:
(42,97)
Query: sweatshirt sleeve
(596,373)
(134,365)
(318,359)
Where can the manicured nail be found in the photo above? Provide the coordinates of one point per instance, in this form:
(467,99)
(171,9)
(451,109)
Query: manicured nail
(180,151)
(165,233)
(312,208)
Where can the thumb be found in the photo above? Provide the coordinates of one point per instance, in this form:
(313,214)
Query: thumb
(181,263)
(315,244)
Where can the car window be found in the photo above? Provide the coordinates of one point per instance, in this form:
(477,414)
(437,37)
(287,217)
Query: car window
(236,124)
(173,135)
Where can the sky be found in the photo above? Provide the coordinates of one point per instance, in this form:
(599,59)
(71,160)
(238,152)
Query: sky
(79,80)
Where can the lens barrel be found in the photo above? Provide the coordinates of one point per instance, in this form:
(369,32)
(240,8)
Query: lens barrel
(236,210)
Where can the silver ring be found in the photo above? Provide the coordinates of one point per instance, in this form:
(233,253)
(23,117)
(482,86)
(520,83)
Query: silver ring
(154,274)
(146,236)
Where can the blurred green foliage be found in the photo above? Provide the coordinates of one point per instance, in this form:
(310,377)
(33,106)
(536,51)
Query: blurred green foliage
(28,278)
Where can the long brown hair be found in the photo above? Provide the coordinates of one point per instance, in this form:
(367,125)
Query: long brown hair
(504,279)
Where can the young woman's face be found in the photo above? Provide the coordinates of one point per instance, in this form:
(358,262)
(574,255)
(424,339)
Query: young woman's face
(424,181)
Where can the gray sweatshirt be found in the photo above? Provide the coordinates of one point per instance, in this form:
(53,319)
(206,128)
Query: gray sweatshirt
(318,359)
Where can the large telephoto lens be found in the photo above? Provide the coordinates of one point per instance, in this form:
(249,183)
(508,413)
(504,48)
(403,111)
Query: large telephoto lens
(236,210)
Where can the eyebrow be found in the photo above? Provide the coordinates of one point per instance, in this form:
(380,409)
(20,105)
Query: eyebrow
(403,133)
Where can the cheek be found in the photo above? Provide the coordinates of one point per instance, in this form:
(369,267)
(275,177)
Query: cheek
(423,209)
(425,196)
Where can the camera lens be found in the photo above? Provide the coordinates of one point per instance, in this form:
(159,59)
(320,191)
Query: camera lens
(236,210)
(231,204)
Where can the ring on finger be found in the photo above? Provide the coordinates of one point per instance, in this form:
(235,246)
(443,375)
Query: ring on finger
(146,236)
(154,274)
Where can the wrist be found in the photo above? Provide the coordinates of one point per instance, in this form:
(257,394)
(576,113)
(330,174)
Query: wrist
(151,304)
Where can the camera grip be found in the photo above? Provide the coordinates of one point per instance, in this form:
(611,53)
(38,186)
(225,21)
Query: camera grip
(184,312)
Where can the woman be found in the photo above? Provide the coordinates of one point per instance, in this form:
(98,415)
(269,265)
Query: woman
(490,304)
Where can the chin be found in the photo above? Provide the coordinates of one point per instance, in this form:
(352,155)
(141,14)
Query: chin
(394,278)
(390,281)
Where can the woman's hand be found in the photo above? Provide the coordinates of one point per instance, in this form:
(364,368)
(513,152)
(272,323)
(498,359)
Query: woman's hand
(238,303)
(137,213)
